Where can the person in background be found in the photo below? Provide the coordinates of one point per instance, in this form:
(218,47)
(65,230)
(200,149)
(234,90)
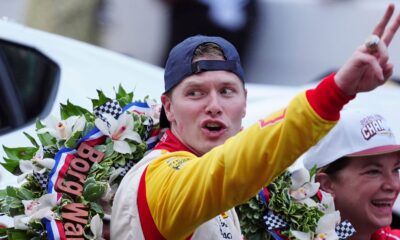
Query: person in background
(358,163)
(205,164)
(233,20)
(73,18)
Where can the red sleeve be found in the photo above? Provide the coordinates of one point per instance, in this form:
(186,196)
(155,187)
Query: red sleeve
(327,99)
(386,234)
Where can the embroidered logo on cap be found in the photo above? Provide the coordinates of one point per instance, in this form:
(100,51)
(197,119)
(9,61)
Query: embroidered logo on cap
(374,125)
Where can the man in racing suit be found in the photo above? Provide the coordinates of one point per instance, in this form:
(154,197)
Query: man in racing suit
(204,165)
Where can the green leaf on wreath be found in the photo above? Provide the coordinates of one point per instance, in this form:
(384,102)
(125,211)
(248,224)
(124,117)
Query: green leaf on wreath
(32,185)
(31,139)
(14,234)
(70,109)
(88,126)
(102,100)
(11,206)
(123,97)
(39,124)
(25,153)
(11,191)
(3,193)
(37,225)
(45,138)
(93,190)
(71,141)
(313,171)
(109,149)
(24,194)
(96,208)
(11,165)
(3,233)
(99,172)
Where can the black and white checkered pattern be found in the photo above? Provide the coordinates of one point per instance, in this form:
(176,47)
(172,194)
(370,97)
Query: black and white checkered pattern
(345,230)
(125,168)
(49,150)
(273,221)
(42,179)
(149,128)
(111,107)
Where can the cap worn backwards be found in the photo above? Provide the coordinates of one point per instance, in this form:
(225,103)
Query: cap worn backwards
(359,132)
(180,63)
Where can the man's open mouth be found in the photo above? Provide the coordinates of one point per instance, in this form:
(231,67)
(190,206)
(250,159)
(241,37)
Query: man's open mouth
(213,127)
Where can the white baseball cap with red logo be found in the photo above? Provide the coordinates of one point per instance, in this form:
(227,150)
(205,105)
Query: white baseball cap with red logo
(359,132)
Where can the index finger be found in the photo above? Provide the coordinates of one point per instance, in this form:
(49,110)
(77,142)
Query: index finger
(380,28)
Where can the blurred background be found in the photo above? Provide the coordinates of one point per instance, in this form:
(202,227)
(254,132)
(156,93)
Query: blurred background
(287,42)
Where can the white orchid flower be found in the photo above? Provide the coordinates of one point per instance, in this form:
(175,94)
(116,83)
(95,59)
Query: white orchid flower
(21,222)
(326,226)
(63,129)
(110,192)
(301,235)
(325,229)
(36,209)
(302,186)
(115,174)
(46,201)
(37,164)
(309,202)
(327,204)
(118,131)
(154,111)
(96,226)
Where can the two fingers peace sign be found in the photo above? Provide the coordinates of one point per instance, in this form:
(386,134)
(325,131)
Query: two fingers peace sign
(369,65)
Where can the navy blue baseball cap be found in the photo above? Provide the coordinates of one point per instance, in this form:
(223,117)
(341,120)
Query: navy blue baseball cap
(180,63)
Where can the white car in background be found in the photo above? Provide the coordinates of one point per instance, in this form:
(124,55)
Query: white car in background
(39,70)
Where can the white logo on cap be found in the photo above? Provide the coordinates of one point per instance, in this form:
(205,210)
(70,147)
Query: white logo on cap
(373,125)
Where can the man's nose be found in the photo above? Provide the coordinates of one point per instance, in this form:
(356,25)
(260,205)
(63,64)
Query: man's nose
(213,107)
(392,182)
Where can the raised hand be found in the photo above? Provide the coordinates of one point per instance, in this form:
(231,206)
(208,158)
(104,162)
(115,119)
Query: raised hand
(369,68)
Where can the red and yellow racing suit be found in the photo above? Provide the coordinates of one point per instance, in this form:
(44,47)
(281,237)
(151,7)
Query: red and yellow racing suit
(173,192)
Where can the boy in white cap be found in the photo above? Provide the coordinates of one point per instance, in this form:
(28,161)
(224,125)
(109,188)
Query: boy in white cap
(358,162)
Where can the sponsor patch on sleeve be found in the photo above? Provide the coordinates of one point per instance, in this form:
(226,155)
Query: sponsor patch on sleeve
(176,163)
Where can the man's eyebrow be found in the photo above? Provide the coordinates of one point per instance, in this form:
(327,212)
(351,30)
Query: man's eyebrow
(193,83)
(229,82)
(374,164)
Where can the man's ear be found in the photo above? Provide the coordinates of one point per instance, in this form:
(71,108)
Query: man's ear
(326,183)
(245,106)
(166,102)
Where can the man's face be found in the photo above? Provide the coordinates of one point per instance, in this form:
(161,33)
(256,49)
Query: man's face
(205,109)
(366,189)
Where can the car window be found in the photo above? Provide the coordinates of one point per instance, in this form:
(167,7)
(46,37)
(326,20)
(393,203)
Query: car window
(28,84)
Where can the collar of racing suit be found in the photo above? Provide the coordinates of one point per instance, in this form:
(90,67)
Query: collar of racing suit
(171,143)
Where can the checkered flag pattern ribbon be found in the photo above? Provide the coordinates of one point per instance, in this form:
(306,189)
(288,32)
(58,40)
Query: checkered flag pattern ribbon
(125,168)
(345,230)
(49,150)
(273,221)
(111,107)
(149,128)
(41,179)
